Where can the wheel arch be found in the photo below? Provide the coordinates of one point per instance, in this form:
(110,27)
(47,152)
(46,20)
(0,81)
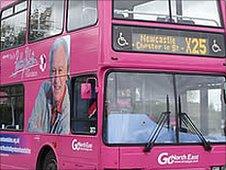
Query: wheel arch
(42,154)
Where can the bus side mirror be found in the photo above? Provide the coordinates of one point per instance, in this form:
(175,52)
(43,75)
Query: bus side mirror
(86,91)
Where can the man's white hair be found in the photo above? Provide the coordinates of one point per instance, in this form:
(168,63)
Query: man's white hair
(60,42)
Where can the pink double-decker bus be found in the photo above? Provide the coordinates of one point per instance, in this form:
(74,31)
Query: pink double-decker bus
(113,84)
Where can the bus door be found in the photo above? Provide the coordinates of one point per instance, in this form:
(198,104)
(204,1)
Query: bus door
(82,146)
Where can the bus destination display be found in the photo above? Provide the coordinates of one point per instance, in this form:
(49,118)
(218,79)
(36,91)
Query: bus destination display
(143,39)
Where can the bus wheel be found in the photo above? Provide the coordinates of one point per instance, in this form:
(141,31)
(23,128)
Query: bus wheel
(50,162)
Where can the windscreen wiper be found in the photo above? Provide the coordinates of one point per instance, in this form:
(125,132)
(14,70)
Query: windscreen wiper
(188,122)
(162,120)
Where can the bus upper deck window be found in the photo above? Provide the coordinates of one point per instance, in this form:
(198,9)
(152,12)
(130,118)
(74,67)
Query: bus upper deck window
(46,19)
(142,10)
(21,6)
(81,14)
(173,11)
(7,12)
(196,12)
(13,26)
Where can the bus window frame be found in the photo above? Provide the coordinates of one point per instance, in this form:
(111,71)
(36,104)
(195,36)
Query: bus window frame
(72,110)
(55,35)
(104,124)
(219,9)
(24,114)
(81,28)
(13,14)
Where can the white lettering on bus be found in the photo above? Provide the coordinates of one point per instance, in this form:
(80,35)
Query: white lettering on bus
(11,149)
(25,62)
(9,140)
(83,146)
(167,159)
(11,145)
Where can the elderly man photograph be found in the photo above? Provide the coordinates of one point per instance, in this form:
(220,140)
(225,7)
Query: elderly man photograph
(51,112)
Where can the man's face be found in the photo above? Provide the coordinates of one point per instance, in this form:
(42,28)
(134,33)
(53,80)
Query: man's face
(59,73)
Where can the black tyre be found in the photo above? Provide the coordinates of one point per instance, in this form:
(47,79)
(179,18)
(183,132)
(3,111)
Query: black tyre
(50,162)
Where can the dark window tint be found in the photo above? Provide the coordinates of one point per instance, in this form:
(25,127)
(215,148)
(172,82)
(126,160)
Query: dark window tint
(13,26)
(84,112)
(11,107)
(81,14)
(46,18)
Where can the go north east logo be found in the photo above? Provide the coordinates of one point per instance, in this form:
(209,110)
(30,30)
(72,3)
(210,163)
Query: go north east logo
(81,146)
(168,159)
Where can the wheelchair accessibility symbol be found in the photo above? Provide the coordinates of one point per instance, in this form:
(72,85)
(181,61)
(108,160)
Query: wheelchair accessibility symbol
(121,40)
(215,47)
